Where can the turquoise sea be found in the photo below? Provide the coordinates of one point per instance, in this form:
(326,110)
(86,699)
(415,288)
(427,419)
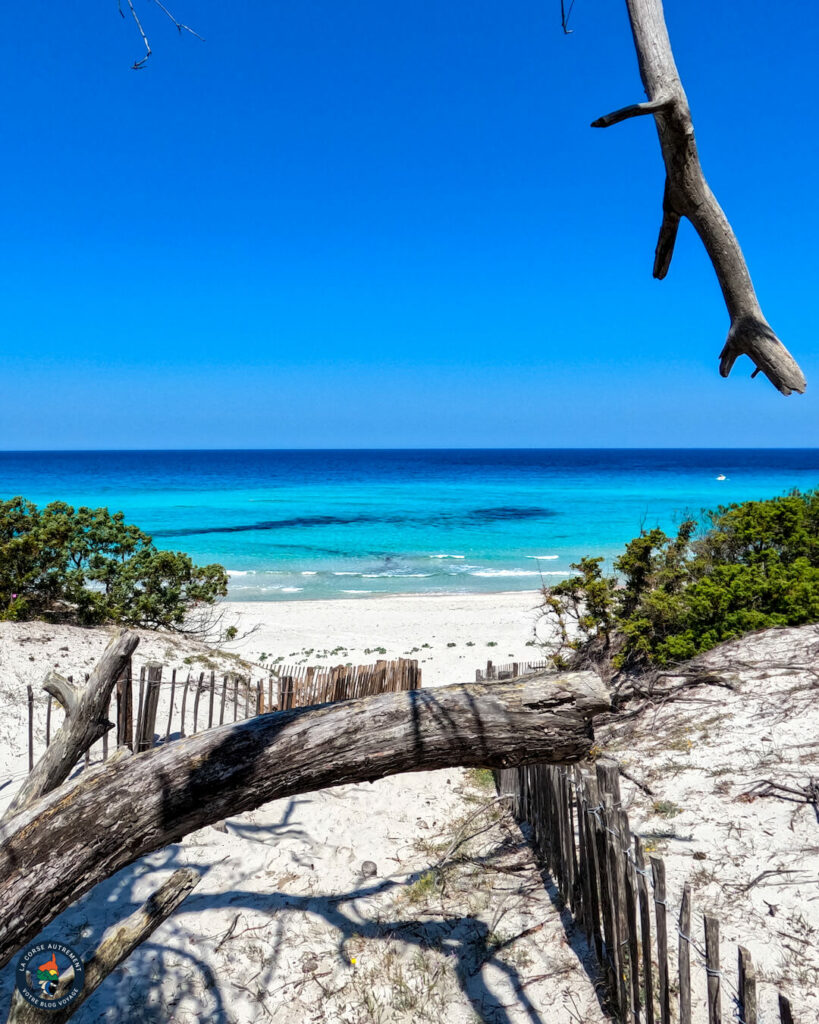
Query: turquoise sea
(292,525)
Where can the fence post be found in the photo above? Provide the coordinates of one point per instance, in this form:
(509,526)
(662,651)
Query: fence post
(608,778)
(747,987)
(619,900)
(30,728)
(88,749)
(712,969)
(125,708)
(146,725)
(684,956)
(785,1015)
(590,800)
(645,930)
(630,887)
(184,702)
(140,703)
(658,873)
(583,870)
(223,700)
(212,689)
(604,877)
(170,710)
(285,693)
(196,697)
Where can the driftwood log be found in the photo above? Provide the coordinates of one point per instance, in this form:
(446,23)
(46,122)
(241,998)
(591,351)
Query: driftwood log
(58,848)
(116,945)
(85,722)
(687,194)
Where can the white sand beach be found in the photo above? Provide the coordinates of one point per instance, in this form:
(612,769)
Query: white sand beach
(287,922)
(450,635)
(285,925)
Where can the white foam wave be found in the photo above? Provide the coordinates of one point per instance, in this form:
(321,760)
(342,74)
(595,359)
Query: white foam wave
(345,574)
(290,590)
(240,572)
(310,573)
(447,556)
(506,572)
(395,575)
(356,591)
(543,557)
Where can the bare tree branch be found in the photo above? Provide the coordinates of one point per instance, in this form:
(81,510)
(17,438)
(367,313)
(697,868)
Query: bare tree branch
(565,14)
(687,195)
(84,724)
(138,65)
(116,945)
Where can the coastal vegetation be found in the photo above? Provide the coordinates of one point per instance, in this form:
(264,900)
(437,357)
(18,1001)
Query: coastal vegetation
(89,566)
(742,567)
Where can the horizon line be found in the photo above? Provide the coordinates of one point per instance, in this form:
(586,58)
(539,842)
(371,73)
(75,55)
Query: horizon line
(410,448)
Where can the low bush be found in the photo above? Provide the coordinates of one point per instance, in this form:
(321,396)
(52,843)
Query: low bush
(742,567)
(90,566)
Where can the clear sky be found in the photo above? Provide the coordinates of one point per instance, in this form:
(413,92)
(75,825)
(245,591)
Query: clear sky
(390,224)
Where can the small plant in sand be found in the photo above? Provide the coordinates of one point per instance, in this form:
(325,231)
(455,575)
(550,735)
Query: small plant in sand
(422,890)
(481,778)
(666,809)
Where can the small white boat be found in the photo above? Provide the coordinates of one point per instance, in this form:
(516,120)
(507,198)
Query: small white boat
(722,476)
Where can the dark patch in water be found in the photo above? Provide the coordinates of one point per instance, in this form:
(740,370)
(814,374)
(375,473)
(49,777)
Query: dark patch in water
(274,524)
(508,512)
(496,514)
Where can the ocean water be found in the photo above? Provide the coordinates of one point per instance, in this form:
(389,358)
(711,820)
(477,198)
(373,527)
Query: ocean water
(293,525)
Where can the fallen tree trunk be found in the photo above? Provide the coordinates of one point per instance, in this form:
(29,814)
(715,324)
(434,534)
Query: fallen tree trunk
(84,724)
(116,945)
(687,194)
(56,850)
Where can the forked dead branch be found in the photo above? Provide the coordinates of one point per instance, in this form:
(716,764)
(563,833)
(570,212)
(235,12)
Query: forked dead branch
(687,194)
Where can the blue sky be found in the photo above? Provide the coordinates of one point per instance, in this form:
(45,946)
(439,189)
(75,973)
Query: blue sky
(372,224)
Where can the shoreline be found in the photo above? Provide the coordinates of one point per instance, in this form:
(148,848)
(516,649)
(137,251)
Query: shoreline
(375,596)
(451,635)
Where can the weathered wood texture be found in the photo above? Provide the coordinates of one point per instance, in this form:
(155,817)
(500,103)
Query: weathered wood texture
(511,670)
(85,721)
(141,803)
(631,946)
(287,687)
(687,194)
(116,945)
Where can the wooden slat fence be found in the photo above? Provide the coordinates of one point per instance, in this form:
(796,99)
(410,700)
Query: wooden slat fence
(510,671)
(582,835)
(203,701)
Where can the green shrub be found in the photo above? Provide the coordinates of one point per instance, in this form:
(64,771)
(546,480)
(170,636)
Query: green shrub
(745,567)
(90,566)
